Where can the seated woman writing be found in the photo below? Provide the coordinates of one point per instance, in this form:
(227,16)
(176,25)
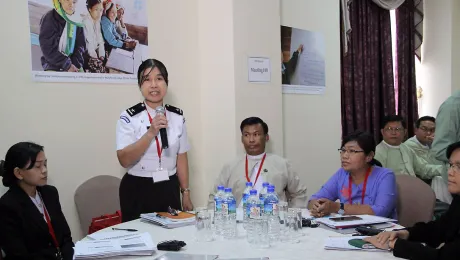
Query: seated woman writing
(32,225)
(361,186)
(435,240)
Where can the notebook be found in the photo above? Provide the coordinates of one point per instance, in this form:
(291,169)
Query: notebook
(350,243)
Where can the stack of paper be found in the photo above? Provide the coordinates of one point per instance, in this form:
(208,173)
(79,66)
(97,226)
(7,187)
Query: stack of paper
(342,243)
(180,256)
(182,220)
(111,235)
(135,245)
(365,220)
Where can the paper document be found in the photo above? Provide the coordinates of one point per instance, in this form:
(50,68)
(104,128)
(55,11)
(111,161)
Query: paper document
(111,235)
(261,258)
(179,256)
(155,218)
(342,243)
(136,245)
(124,52)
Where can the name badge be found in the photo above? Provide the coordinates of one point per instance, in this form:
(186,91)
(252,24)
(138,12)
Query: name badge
(160,175)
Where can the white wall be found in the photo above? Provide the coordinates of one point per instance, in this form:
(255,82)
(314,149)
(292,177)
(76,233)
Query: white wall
(439,63)
(312,124)
(257,34)
(217,100)
(455,45)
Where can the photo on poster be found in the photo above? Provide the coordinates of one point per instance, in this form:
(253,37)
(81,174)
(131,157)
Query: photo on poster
(100,41)
(302,61)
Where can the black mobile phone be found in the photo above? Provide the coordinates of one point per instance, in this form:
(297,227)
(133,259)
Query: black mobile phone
(368,231)
(346,218)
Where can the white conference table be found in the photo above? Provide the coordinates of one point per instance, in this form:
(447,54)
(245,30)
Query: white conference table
(311,245)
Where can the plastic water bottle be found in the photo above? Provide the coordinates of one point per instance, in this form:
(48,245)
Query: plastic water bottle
(252,212)
(229,214)
(271,202)
(272,213)
(253,205)
(262,195)
(218,200)
(245,199)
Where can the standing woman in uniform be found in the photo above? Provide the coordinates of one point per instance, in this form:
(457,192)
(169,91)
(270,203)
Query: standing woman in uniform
(155,176)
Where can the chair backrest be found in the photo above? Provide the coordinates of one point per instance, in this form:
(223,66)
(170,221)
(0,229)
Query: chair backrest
(416,200)
(95,197)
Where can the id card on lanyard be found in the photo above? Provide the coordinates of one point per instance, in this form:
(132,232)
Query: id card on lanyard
(160,174)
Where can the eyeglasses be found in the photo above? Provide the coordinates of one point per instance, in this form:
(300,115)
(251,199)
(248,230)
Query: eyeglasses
(455,167)
(393,129)
(427,130)
(343,151)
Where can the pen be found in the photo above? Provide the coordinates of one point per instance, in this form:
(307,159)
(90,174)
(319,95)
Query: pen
(125,229)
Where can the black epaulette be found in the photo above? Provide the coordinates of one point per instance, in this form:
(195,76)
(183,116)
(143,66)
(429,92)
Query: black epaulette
(136,109)
(174,109)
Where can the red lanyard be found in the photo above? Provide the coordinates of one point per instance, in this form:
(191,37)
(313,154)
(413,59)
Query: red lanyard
(159,149)
(258,172)
(364,186)
(50,226)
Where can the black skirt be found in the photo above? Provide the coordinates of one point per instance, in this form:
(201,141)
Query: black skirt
(141,195)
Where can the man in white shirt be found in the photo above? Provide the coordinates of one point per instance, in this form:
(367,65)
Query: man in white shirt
(420,143)
(396,155)
(258,167)
(402,159)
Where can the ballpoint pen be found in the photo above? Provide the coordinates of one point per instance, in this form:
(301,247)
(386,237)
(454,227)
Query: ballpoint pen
(125,229)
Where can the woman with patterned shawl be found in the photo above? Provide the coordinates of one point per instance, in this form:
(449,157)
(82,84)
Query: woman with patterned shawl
(61,38)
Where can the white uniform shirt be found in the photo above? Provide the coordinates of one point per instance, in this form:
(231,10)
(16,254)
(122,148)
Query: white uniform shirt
(39,204)
(131,128)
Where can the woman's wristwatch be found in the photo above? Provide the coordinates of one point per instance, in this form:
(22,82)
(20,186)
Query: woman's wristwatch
(184,190)
(342,209)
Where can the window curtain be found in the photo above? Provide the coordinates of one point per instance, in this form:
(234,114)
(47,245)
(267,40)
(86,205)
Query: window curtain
(367,86)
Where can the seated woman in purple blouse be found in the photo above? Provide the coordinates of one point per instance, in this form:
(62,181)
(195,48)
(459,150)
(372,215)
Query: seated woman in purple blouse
(361,186)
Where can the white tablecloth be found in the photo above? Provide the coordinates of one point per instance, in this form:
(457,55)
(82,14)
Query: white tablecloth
(311,245)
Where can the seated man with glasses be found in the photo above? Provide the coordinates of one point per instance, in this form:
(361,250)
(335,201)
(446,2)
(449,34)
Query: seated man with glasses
(420,145)
(396,155)
(421,142)
(361,186)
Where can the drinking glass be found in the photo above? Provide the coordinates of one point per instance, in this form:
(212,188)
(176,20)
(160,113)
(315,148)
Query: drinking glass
(259,232)
(292,231)
(283,211)
(203,225)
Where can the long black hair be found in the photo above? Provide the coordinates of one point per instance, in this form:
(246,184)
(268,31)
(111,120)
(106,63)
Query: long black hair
(19,156)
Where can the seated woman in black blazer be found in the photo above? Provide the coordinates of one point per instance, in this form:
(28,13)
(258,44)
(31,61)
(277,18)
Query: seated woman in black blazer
(424,241)
(32,225)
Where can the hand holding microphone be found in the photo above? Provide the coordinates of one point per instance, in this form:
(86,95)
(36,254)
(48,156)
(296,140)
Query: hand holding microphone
(158,122)
(161,125)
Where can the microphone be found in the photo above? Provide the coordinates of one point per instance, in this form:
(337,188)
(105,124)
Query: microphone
(163,134)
